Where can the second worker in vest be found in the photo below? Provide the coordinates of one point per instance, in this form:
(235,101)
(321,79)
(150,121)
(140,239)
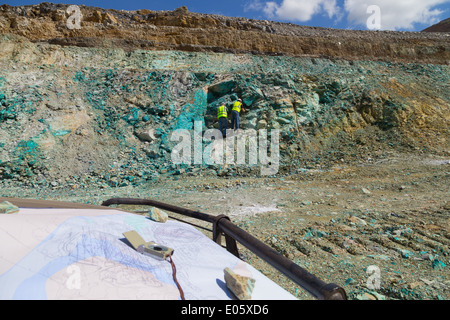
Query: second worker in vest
(222,115)
(235,111)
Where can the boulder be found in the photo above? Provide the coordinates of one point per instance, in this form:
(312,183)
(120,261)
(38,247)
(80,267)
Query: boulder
(149,135)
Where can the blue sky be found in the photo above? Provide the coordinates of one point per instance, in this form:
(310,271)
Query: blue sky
(401,15)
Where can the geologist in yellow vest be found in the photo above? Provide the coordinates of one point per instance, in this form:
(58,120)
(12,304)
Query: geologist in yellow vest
(222,115)
(235,111)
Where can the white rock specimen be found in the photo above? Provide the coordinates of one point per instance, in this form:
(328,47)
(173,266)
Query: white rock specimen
(242,287)
(8,208)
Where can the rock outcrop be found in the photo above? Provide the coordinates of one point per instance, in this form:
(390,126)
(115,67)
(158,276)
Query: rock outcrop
(98,106)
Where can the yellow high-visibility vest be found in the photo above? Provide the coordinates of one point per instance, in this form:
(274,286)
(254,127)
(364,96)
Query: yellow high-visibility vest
(222,112)
(237,106)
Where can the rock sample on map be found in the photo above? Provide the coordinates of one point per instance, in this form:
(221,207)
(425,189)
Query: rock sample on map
(8,208)
(158,215)
(242,287)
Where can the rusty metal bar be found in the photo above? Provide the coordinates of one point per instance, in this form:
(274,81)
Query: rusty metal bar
(230,241)
(300,276)
(163,206)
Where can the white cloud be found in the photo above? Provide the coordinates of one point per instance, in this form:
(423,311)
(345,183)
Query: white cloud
(395,14)
(298,10)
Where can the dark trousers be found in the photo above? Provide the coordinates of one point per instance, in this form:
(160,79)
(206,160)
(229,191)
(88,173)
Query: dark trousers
(223,126)
(234,120)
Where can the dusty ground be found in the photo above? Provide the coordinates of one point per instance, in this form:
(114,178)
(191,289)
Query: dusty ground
(335,223)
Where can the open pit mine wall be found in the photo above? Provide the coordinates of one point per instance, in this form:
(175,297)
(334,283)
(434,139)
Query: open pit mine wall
(195,32)
(105,115)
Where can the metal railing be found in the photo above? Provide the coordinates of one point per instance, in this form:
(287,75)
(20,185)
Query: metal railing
(222,225)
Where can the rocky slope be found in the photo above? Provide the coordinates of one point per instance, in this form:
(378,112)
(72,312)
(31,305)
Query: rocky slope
(106,114)
(188,31)
(70,111)
(443,26)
